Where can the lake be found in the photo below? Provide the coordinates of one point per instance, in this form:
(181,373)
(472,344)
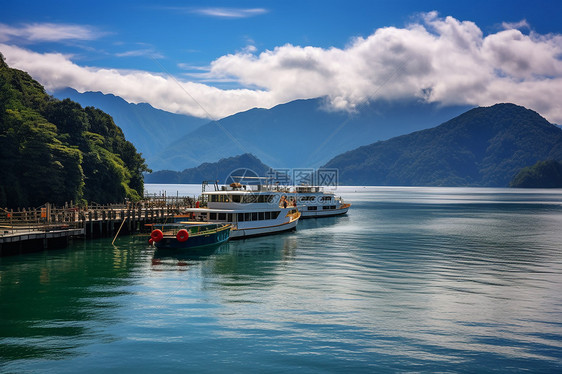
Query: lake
(411,279)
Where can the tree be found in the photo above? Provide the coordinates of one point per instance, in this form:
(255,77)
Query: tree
(56,151)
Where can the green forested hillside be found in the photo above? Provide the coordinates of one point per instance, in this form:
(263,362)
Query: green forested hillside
(485,146)
(544,174)
(56,151)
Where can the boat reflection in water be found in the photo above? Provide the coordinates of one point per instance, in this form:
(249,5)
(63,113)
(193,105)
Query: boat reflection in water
(167,256)
(254,257)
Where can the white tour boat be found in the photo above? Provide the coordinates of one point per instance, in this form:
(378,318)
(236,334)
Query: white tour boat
(252,210)
(313,201)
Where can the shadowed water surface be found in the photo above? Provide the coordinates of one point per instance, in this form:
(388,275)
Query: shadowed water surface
(412,279)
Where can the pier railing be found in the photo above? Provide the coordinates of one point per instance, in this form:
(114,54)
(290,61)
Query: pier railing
(44,218)
(48,217)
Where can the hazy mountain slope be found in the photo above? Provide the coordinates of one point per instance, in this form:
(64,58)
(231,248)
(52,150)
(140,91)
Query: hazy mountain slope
(301,133)
(220,171)
(148,128)
(482,147)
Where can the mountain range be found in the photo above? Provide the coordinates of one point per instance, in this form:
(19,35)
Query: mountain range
(301,133)
(485,146)
(226,170)
(381,143)
(148,128)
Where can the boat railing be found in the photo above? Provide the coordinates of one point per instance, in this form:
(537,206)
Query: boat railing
(258,184)
(308,189)
(172,229)
(253,188)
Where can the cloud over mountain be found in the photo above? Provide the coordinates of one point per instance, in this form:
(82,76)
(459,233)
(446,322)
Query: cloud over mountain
(47,32)
(437,59)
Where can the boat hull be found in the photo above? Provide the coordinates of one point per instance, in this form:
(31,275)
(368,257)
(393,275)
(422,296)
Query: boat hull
(261,231)
(323,213)
(192,242)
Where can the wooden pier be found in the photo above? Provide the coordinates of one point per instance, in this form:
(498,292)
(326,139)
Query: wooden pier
(48,227)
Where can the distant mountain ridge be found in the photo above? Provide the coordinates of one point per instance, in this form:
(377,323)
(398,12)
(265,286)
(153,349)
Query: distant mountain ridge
(148,128)
(485,146)
(216,171)
(303,133)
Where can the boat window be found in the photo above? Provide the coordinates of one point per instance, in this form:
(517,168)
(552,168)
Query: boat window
(274,215)
(236,198)
(311,208)
(222,216)
(248,216)
(267,215)
(254,216)
(240,217)
(229,217)
(213,216)
(261,216)
(219,198)
(265,198)
(249,199)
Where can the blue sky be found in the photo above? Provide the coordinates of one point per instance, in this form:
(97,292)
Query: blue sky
(214,58)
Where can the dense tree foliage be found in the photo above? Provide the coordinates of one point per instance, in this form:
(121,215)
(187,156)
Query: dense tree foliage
(544,174)
(483,147)
(56,151)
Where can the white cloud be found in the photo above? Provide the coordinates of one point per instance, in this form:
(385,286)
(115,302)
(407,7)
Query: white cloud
(229,12)
(523,24)
(439,59)
(436,59)
(47,32)
(55,70)
(148,52)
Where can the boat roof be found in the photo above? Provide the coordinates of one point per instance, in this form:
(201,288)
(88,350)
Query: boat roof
(245,192)
(219,210)
(263,189)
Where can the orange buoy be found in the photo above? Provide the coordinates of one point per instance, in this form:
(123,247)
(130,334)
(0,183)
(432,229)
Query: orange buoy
(156,235)
(182,235)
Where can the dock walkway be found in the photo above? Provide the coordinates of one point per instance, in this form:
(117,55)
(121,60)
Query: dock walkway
(47,227)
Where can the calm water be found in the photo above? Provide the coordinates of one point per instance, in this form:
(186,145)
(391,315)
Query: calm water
(412,279)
